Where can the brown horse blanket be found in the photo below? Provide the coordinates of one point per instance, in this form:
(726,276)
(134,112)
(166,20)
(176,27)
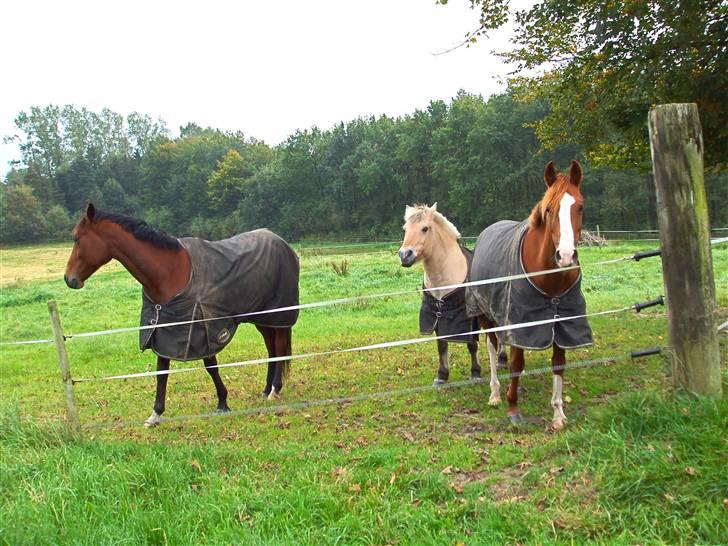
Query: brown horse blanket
(250,272)
(447,316)
(497,254)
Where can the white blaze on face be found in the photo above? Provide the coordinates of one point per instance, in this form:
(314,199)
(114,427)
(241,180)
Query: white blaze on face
(566,239)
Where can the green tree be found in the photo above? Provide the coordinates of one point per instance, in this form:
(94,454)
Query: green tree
(21,219)
(604,64)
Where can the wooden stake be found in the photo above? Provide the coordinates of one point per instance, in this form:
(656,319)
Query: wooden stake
(676,141)
(74,422)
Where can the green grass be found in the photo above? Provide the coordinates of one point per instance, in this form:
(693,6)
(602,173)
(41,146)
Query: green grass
(635,464)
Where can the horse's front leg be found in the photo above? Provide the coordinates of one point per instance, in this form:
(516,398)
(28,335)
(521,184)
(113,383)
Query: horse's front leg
(222,393)
(492,342)
(517,364)
(155,418)
(443,372)
(558,360)
(475,369)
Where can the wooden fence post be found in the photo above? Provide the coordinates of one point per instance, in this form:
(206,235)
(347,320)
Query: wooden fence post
(73,421)
(676,140)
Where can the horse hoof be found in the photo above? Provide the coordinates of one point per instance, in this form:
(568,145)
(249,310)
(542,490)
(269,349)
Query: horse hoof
(273,395)
(220,411)
(516,419)
(557,425)
(475,376)
(439,382)
(153,420)
(494,401)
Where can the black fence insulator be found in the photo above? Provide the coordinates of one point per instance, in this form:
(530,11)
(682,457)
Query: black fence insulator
(645,352)
(646,254)
(657,301)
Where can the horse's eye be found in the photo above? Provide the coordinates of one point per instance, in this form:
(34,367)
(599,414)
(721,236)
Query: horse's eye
(581,208)
(424,229)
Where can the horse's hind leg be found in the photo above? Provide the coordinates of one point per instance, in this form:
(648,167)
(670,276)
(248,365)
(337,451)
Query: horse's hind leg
(492,343)
(269,338)
(281,368)
(222,393)
(558,359)
(517,364)
(474,362)
(443,372)
(154,418)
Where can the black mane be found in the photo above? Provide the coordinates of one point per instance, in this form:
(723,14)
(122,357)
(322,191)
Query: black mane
(140,229)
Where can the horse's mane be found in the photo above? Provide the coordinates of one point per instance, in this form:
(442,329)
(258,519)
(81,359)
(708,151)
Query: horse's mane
(418,212)
(550,200)
(140,229)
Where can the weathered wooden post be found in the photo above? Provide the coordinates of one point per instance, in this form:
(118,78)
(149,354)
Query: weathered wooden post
(676,140)
(73,421)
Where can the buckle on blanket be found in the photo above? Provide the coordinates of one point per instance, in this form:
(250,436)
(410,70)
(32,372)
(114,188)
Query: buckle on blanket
(438,314)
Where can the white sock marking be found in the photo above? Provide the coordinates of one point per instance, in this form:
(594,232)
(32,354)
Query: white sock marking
(494,383)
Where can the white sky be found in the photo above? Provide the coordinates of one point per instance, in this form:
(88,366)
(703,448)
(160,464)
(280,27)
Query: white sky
(265,67)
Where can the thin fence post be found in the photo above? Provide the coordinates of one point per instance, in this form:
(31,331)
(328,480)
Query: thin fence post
(676,141)
(73,420)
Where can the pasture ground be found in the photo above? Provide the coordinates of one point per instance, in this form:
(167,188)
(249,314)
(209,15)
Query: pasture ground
(636,464)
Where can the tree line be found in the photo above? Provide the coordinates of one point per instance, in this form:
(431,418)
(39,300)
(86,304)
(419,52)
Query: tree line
(480,159)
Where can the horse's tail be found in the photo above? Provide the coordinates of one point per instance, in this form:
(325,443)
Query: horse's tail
(287,363)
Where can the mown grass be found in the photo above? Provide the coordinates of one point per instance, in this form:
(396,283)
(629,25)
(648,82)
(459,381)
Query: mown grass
(635,465)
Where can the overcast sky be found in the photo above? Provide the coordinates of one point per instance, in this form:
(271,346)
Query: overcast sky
(265,67)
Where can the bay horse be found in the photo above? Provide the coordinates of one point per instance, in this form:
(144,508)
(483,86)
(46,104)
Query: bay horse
(430,238)
(190,279)
(546,240)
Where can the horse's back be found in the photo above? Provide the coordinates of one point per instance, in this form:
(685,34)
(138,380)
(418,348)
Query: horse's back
(496,254)
(249,272)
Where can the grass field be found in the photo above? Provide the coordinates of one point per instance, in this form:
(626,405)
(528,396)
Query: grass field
(635,465)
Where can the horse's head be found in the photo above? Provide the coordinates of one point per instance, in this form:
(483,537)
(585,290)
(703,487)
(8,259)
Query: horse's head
(561,212)
(424,229)
(90,250)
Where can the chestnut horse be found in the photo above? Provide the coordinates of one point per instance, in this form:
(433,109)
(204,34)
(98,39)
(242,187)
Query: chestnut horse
(545,241)
(433,240)
(165,267)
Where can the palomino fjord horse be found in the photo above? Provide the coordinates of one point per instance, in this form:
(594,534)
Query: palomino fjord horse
(545,241)
(432,239)
(191,279)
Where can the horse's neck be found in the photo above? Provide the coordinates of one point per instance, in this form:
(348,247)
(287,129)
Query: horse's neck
(445,267)
(163,273)
(538,253)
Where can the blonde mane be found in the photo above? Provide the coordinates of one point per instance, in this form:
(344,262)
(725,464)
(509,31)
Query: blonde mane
(419,212)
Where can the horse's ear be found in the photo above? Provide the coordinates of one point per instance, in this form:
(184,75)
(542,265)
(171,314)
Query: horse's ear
(575,174)
(550,174)
(434,206)
(90,212)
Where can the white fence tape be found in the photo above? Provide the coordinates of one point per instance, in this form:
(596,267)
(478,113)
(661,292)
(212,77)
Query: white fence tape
(383,345)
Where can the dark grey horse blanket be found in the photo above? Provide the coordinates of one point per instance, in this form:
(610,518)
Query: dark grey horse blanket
(250,272)
(497,254)
(447,316)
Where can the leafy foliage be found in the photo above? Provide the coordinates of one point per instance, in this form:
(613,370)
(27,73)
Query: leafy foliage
(480,159)
(602,65)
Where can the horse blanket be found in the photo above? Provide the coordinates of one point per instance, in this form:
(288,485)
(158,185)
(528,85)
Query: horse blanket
(447,316)
(250,272)
(497,254)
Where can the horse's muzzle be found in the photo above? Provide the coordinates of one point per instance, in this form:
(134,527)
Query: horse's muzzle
(72,282)
(566,261)
(407,256)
